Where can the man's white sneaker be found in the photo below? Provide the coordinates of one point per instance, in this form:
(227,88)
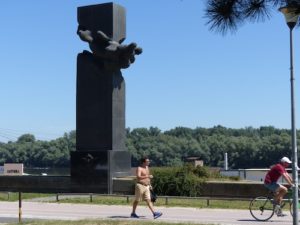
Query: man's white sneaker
(277,209)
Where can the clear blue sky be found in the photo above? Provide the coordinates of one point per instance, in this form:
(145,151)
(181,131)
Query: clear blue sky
(187,76)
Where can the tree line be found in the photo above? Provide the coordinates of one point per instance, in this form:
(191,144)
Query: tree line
(246,147)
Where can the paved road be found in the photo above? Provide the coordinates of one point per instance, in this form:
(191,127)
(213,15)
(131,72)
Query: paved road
(38,210)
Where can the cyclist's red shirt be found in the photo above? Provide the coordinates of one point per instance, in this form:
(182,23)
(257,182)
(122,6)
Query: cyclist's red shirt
(274,173)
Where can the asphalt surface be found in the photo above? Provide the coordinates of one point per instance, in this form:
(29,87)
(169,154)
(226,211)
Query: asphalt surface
(9,212)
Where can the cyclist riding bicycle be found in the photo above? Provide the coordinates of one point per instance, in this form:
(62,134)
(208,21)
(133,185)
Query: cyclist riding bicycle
(271,179)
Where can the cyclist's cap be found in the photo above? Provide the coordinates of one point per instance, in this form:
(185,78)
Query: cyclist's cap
(285,160)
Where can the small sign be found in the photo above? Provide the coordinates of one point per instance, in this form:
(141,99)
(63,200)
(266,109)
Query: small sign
(13,169)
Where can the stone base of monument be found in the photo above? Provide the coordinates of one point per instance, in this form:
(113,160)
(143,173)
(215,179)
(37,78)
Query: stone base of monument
(61,184)
(96,169)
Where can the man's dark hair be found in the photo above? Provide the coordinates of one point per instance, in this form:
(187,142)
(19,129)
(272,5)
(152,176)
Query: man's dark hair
(144,158)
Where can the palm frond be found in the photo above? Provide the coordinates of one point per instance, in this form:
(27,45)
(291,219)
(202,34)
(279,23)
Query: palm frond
(276,3)
(228,15)
(222,15)
(256,10)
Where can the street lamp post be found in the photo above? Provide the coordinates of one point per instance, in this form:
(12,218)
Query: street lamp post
(291,14)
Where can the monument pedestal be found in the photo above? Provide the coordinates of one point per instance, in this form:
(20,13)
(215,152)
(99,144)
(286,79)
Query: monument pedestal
(98,168)
(100,126)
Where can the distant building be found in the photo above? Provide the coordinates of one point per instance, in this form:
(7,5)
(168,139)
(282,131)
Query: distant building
(13,169)
(195,161)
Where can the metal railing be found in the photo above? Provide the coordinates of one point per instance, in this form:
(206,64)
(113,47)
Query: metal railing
(166,198)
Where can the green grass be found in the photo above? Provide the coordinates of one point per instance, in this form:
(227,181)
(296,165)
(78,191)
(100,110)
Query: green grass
(14,196)
(172,202)
(101,222)
(121,200)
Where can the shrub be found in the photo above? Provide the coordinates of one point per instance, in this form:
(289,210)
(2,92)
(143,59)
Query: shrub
(201,171)
(178,181)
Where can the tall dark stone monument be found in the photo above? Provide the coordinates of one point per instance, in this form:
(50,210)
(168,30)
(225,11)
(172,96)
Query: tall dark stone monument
(100,152)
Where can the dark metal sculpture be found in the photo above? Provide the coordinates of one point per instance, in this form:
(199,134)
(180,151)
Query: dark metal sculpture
(101,154)
(111,54)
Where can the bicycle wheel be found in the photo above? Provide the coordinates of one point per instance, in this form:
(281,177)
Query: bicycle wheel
(261,208)
(291,208)
(290,196)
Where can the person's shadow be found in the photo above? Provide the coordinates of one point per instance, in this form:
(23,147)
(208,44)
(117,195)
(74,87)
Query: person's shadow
(126,217)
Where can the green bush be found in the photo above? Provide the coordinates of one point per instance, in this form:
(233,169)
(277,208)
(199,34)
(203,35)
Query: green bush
(178,181)
(184,180)
(201,171)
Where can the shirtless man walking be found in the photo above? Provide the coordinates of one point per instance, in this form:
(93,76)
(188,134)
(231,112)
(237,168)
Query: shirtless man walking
(142,188)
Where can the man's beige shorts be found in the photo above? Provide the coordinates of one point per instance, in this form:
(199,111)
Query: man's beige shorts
(142,192)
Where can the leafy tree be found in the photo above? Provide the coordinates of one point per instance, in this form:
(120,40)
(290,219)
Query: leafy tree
(246,147)
(180,132)
(26,138)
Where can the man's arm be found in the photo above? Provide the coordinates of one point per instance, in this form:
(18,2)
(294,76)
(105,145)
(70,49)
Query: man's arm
(288,178)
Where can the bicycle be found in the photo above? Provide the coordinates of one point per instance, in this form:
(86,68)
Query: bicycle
(291,202)
(262,208)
